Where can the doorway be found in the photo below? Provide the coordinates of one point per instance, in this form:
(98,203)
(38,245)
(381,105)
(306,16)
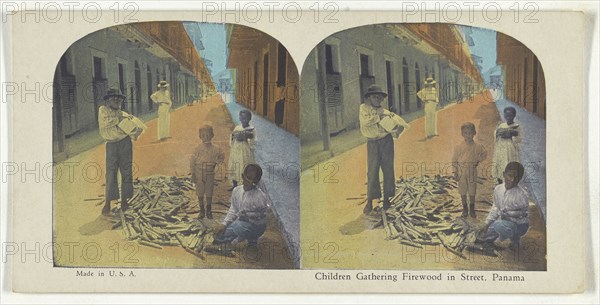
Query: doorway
(138,87)
(265,106)
(405,96)
(418,84)
(100,84)
(389,72)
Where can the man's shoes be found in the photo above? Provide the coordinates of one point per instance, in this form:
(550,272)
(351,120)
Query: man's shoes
(472,211)
(106,209)
(368,208)
(386,204)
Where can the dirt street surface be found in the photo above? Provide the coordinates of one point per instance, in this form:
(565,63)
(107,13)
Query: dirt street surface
(84,238)
(336,235)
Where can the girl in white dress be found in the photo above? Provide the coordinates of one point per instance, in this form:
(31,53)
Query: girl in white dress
(508,141)
(243,140)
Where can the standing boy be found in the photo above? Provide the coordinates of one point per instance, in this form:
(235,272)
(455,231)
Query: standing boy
(508,219)
(466,157)
(202,166)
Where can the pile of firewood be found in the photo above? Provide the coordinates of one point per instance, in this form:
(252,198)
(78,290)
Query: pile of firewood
(421,214)
(158,215)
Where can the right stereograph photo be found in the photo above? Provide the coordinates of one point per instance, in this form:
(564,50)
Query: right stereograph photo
(423,146)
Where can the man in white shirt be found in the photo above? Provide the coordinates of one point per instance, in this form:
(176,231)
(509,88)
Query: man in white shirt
(380,147)
(119,155)
(247,215)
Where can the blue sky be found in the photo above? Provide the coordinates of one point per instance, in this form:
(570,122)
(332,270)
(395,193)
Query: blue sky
(215,44)
(485,45)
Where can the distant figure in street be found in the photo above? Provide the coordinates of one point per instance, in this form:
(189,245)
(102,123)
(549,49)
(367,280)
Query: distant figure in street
(190,100)
(429,95)
(377,125)
(507,145)
(162,97)
(202,166)
(243,140)
(467,157)
(119,154)
(459,97)
(508,219)
(247,215)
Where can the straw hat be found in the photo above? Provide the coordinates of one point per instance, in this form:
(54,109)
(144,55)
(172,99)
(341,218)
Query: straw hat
(114,92)
(430,81)
(374,89)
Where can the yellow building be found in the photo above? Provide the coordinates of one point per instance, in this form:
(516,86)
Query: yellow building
(398,57)
(264,76)
(522,75)
(133,58)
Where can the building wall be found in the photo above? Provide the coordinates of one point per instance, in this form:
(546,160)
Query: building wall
(173,38)
(249,80)
(77,88)
(447,40)
(112,49)
(523,76)
(382,47)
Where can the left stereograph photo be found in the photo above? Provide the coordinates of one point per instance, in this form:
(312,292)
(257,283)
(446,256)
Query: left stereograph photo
(180,144)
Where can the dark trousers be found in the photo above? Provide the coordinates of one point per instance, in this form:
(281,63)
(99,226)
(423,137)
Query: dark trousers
(380,154)
(119,157)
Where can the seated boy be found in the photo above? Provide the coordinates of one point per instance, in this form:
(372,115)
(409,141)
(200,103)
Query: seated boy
(247,216)
(508,219)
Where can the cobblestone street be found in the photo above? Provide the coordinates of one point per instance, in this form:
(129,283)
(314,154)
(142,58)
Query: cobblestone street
(277,151)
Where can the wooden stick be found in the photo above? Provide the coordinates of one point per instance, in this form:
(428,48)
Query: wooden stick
(149,244)
(124,225)
(451,250)
(385,224)
(410,243)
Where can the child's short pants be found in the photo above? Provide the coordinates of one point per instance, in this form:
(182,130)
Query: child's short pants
(205,185)
(467,181)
